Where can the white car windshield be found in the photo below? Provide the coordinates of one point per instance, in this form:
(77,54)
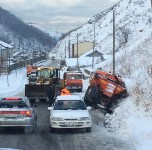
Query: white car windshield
(68,104)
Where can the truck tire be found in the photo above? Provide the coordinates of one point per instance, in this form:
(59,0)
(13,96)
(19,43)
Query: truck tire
(42,100)
(80,90)
(32,101)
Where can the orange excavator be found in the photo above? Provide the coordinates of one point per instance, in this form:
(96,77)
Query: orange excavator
(111,88)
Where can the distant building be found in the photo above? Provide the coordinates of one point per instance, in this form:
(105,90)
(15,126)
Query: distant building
(96,54)
(6,50)
(82,48)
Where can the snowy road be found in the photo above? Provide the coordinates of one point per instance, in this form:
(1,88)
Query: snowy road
(41,139)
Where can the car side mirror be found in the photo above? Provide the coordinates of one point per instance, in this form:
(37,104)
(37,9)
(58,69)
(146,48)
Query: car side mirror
(88,107)
(50,108)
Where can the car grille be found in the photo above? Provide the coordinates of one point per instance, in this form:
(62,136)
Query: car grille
(72,124)
(70,119)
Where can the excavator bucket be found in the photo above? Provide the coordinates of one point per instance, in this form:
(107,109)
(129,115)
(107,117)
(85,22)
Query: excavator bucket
(36,91)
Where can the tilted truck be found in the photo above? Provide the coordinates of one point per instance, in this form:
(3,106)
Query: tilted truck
(111,88)
(73,81)
(45,77)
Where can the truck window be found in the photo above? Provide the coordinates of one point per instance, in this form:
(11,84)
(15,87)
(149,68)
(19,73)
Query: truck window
(74,76)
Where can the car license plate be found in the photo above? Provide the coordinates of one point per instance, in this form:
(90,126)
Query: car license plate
(10,115)
(71,124)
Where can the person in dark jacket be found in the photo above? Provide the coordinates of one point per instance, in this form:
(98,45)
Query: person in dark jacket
(51,95)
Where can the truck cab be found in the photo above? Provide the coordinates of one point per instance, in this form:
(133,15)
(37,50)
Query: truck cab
(73,81)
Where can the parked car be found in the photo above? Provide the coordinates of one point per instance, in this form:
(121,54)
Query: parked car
(17,112)
(69,111)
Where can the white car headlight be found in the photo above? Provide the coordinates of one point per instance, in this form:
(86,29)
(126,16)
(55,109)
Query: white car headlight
(57,119)
(84,118)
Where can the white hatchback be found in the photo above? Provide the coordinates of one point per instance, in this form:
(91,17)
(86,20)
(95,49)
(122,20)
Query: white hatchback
(69,111)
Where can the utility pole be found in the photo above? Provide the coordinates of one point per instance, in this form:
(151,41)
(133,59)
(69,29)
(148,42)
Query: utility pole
(93,44)
(94,37)
(113,41)
(65,49)
(77,53)
(69,48)
(7,66)
(1,60)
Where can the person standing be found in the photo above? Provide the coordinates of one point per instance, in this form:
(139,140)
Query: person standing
(51,95)
(65,91)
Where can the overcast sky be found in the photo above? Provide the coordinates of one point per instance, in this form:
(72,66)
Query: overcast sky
(57,15)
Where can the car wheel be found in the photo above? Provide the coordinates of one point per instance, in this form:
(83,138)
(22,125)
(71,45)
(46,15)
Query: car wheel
(52,129)
(35,122)
(88,129)
(29,130)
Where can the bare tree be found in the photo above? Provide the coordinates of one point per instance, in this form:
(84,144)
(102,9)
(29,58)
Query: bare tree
(123,34)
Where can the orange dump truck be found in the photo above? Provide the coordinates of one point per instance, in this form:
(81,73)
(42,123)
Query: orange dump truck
(111,88)
(30,68)
(73,81)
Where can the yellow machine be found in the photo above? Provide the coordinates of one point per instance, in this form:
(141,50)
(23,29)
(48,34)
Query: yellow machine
(46,77)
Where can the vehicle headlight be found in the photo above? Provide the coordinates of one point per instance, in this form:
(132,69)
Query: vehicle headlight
(57,119)
(84,118)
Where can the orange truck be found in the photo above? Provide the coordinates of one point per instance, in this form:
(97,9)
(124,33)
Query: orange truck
(30,68)
(73,81)
(111,88)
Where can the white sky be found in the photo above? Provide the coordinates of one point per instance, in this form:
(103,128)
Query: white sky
(58,15)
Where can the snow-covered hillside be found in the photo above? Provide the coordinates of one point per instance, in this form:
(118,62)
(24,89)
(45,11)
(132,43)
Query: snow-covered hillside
(48,30)
(133,20)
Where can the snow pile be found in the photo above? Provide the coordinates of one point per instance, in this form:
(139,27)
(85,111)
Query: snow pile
(13,83)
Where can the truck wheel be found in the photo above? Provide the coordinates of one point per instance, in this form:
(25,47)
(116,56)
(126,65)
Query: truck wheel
(32,101)
(42,100)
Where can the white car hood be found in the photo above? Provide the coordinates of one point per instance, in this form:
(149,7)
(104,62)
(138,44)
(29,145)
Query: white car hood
(70,113)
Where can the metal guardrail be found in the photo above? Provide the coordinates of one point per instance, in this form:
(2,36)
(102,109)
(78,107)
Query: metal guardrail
(21,64)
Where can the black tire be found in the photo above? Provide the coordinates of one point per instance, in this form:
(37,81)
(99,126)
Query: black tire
(80,90)
(29,130)
(52,129)
(32,101)
(42,100)
(88,129)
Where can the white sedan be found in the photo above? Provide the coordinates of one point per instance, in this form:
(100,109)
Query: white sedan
(69,111)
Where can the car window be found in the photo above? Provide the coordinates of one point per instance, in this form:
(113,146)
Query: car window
(8,104)
(66,104)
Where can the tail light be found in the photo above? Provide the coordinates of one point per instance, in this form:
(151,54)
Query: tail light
(9,112)
(27,113)
(12,98)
